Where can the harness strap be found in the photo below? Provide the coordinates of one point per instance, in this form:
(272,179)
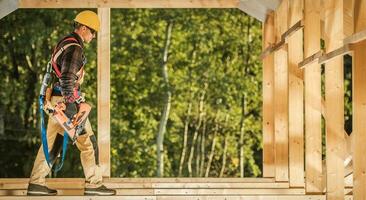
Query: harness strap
(45,143)
(57,53)
(54,57)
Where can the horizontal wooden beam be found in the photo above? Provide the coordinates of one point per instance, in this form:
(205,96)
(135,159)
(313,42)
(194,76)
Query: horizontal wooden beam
(297,26)
(158,187)
(346,49)
(78,183)
(274,47)
(310,59)
(185,197)
(128,3)
(162,188)
(355,38)
(230,191)
(149,180)
(175,192)
(323,58)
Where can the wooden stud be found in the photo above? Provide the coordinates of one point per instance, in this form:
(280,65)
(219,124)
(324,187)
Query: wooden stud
(281,96)
(312,78)
(104,91)
(359,105)
(349,141)
(296,98)
(268,100)
(348,18)
(337,26)
(128,4)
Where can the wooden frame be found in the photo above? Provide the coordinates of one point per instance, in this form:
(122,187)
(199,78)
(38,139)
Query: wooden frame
(312,78)
(281,97)
(336,29)
(275,46)
(268,100)
(283,86)
(296,96)
(104,129)
(359,101)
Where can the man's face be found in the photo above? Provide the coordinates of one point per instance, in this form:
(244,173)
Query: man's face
(89,34)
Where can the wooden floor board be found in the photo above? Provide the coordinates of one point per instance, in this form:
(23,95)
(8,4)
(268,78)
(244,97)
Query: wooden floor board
(242,197)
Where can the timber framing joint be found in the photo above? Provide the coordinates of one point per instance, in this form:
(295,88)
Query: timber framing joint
(284,39)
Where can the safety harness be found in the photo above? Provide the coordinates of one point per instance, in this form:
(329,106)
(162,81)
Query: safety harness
(56,54)
(42,97)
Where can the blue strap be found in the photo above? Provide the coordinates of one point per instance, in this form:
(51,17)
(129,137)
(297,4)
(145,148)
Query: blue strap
(64,149)
(43,132)
(44,139)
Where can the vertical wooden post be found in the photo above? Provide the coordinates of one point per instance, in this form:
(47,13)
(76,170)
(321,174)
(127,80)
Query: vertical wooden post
(296,98)
(268,99)
(359,105)
(336,29)
(281,96)
(104,91)
(313,133)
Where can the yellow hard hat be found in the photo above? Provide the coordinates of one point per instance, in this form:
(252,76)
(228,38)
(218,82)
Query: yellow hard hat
(89,19)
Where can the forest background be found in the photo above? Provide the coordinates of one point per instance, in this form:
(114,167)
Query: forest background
(187,80)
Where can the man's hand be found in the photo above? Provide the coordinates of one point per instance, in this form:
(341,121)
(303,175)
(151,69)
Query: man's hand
(48,108)
(71,110)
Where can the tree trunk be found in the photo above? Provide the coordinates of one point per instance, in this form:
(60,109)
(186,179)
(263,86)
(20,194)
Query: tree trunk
(203,150)
(166,109)
(213,144)
(241,140)
(29,102)
(242,130)
(30,89)
(198,153)
(185,139)
(225,148)
(2,127)
(194,140)
(248,47)
(187,121)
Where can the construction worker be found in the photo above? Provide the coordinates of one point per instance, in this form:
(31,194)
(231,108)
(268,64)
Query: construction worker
(68,62)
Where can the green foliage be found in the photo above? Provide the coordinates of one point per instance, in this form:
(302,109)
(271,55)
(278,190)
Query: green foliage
(214,47)
(208,47)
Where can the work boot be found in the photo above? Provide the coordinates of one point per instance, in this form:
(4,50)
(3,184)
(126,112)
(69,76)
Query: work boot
(40,190)
(100,191)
